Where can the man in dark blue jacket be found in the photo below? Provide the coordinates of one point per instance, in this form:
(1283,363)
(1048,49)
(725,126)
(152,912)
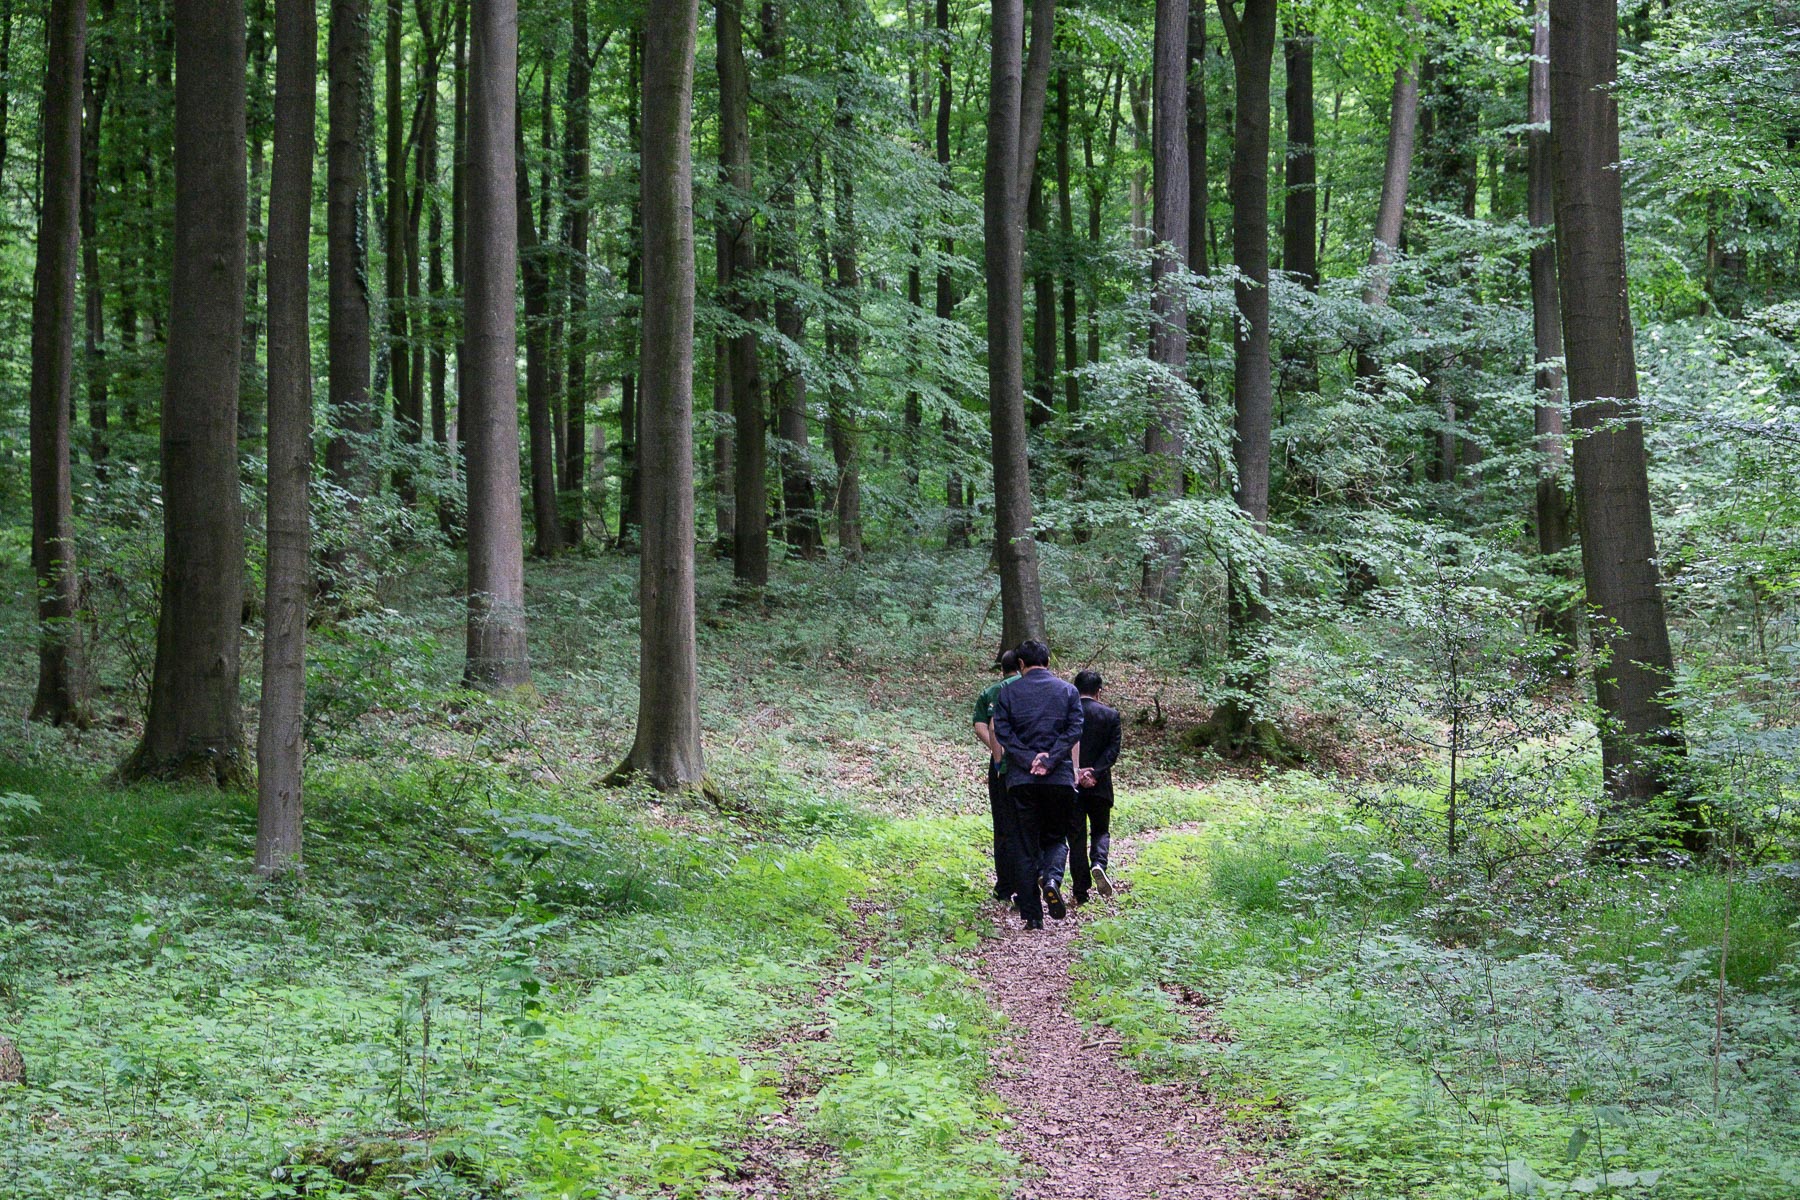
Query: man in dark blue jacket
(1100,740)
(1037,720)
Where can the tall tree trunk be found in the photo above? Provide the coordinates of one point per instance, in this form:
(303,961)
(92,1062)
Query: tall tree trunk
(1163,438)
(1612,489)
(576,222)
(799,502)
(59,698)
(353,416)
(628,385)
(1065,222)
(406,422)
(737,259)
(452,504)
(251,393)
(667,748)
(1300,204)
(1043,310)
(489,412)
(195,729)
(1016,93)
(956,513)
(1403,124)
(724,451)
(1553,509)
(534,270)
(1199,190)
(841,400)
(93,293)
(280,741)
(1252,39)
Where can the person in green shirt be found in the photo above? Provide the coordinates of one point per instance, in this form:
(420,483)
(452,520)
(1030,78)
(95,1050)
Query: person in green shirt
(999,804)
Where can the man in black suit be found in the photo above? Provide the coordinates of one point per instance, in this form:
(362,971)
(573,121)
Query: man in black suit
(1037,721)
(1100,739)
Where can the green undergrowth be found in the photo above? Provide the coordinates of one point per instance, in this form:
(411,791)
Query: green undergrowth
(1395,1033)
(480,990)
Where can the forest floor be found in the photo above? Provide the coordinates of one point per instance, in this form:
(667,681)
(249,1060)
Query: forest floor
(1085,1124)
(500,980)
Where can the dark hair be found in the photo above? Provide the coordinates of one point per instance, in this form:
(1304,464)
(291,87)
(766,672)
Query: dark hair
(1033,653)
(1006,662)
(1089,683)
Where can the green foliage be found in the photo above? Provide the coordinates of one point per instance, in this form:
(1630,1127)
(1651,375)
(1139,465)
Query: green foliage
(1412,1042)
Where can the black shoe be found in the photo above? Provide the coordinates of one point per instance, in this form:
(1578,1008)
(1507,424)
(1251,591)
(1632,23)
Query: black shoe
(1054,902)
(1034,924)
(1081,897)
(1102,883)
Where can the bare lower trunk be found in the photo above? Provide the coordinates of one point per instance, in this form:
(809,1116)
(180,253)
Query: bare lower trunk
(280,741)
(353,416)
(956,512)
(629,502)
(1300,205)
(1618,540)
(1553,509)
(1252,40)
(667,749)
(406,421)
(195,729)
(59,698)
(750,507)
(576,222)
(535,276)
(1015,124)
(841,400)
(489,417)
(1163,439)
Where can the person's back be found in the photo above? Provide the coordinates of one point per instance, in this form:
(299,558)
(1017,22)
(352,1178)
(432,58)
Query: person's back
(1038,713)
(1100,742)
(1037,721)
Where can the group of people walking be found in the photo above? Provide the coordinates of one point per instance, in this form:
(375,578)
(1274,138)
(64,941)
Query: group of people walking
(1051,748)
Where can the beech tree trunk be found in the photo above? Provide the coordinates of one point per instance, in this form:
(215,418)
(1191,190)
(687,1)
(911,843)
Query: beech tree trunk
(1553,509)
(737,259)
(1300,204)
(489,411)
(194,729)
(93,292)
(353,416)
(1199,189)
(1252,39)
(1043,310)
(534,272)
(406,421)
(800,526)
(1612,489)
(1164,439)
(667,749)
(1015,124)
(59,698)
(280,740)
(956,511)
(1403,124)
(846,449)
(628,385)
(576,222)
(1065,224)
(453,503)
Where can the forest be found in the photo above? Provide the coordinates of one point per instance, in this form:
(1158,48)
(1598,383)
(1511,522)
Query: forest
(505,511)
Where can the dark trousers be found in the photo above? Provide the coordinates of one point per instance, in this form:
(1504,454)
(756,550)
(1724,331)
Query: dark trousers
(1090,838)
(1046,814)
(1006,831)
